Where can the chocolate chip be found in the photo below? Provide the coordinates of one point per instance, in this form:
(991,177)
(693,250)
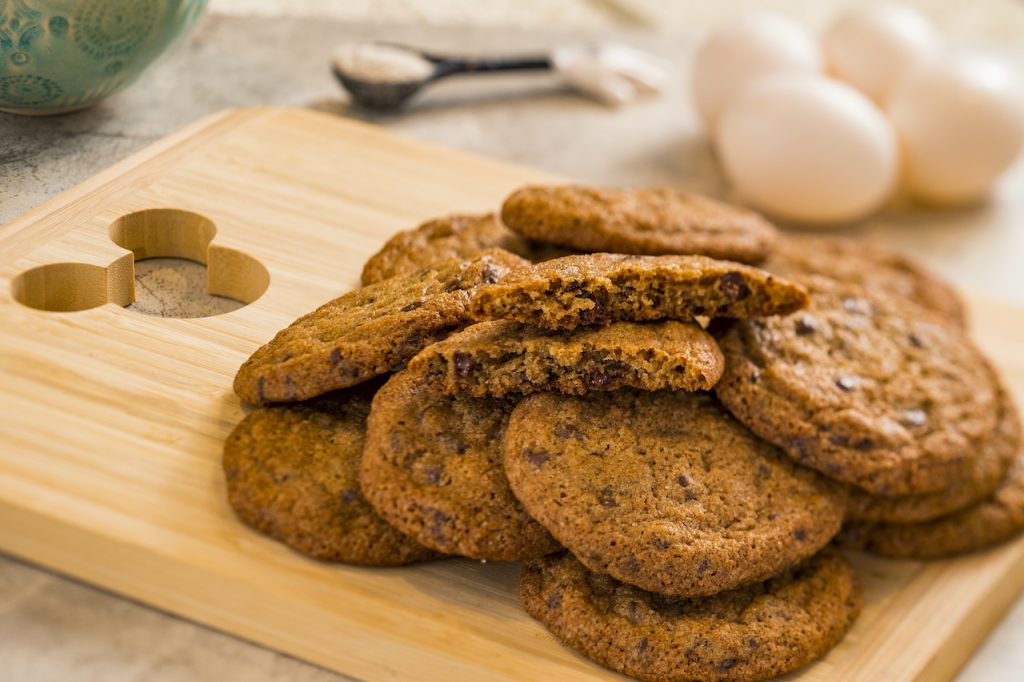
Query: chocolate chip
(847,382)
(800,534)
(464,364)
(763,471)
(572,287)
(728,664)
(595,377)
(592,316)
(806,325)
(335,357)
(536,458)
(438,522)
(606,498)
(704,566)
(555,600)
(433,474)
(734,286)
(412,306)
(689,496)
(642,645)
(350,495)
(915,341)
(915,418)
(567,431)
(753,643)
(683,480)
(661,544)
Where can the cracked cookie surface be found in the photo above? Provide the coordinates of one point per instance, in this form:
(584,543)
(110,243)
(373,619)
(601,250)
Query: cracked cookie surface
(665,490)
(503,357)
(368,332)
(751,633)
(601,288)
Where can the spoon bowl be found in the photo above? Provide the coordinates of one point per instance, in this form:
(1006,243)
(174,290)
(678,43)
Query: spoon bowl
(379,95)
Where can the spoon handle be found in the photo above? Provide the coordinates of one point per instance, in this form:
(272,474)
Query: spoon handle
(447,66)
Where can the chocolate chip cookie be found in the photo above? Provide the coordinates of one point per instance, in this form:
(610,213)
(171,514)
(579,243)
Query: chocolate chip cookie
(293,473)
(454,236)
(664,490)
(600,288)
(654,221)
(995,519)
(368,332)
(432,467)
(870,266)
(869,389)
(990,465)
(504,357)
(751,633)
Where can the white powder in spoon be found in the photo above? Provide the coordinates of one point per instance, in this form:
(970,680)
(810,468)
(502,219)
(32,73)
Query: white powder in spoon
(377,63)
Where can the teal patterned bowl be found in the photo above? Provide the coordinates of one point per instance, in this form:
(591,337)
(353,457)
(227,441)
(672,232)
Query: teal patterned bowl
(62,55)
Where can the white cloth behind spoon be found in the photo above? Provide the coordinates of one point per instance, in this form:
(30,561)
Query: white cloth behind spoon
(612,73)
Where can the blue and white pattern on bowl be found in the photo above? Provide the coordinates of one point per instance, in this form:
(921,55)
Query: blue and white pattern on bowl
(60,55)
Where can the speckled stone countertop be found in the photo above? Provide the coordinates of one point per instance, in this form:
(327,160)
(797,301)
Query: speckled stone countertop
(52,628)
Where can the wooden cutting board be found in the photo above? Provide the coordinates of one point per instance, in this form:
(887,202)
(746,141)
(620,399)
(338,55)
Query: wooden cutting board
(111,422)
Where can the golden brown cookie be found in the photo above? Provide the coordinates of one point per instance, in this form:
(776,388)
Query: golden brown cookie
(368,332)
(870,266)
(601,288)
(453,236)
(432,467)
(503,357)
(664,490)
(751,633)
(653,221)
(293,473)
(993,520)
(869,389)
(990,465)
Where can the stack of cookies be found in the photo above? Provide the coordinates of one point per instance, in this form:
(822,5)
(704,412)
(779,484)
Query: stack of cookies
(600,384)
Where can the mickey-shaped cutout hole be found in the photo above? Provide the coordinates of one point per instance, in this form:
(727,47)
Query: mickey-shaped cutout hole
(233,279)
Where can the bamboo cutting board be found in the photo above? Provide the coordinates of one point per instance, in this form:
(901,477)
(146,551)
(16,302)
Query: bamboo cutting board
(111,422)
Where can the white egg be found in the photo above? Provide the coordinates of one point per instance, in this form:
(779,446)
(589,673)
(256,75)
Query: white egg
(808,149)
(874,47)
(754,45)
(961,126)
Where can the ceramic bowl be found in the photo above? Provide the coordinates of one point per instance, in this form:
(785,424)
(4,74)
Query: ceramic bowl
(62,55)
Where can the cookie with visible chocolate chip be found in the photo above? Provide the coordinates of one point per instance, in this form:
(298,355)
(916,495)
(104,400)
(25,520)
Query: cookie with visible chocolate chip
(601,288)
(990,465)
(432,467)
(991,521)
(651,220)
(292,473)
(368,332)
(867,265)
(664,490)
(503,357)
(751,633)
(867,388)
(453,236)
